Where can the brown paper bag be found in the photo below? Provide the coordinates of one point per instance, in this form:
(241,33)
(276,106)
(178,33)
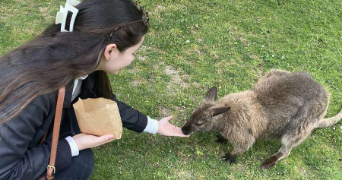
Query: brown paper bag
(98,117)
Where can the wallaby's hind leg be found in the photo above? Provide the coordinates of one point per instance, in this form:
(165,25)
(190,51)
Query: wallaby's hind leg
(296,132)
(289,141)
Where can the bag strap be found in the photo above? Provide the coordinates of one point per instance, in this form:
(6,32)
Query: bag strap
(55,134)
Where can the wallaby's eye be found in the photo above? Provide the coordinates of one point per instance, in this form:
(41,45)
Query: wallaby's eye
(199,123)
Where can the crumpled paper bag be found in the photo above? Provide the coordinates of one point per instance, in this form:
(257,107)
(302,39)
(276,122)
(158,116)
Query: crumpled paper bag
(98,116)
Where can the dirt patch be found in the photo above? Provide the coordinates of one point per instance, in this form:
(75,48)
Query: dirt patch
(142,58)
(160,8)
(45,13)
(135,83)
(244,41)
(176,78)
(165,112)
(184,174)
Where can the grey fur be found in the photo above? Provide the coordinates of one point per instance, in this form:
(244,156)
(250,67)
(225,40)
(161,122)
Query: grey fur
(282,104)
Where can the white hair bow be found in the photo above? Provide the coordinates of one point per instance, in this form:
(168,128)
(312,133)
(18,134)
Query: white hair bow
(61,16)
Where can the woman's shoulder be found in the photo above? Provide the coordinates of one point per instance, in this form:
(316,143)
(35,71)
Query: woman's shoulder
(33,107)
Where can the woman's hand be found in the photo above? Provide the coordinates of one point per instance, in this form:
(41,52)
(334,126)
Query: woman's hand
(85,141)
(167,129)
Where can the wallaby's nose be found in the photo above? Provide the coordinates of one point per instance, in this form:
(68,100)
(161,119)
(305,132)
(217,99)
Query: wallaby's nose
(185,131)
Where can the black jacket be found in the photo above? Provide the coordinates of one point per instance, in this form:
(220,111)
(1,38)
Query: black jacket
(22,156)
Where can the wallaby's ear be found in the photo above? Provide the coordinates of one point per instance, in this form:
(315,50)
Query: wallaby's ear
(211,94)
(220,110)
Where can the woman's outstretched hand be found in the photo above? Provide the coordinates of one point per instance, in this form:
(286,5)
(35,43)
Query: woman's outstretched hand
(167,129)
(85,141)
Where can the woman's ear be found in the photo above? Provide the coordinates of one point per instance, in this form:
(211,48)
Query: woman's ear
(110,48)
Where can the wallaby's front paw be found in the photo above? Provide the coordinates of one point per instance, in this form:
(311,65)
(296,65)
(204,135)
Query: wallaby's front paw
(229,157)
(221,139)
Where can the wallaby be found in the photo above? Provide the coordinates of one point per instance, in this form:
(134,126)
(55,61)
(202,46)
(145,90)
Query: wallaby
(284,105)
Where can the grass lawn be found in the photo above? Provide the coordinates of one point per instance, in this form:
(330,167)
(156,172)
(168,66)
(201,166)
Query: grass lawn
(194,45)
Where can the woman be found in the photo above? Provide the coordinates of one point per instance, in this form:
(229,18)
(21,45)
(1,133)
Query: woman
(105,36)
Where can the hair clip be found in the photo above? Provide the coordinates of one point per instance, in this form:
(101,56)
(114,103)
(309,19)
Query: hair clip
(63,13)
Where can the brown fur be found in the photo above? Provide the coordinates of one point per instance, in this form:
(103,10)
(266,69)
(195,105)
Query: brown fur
(281,104)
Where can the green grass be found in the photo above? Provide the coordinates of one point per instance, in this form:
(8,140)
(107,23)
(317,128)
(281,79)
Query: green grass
(194,45)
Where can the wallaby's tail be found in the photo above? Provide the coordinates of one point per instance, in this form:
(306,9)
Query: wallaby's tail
(330,121)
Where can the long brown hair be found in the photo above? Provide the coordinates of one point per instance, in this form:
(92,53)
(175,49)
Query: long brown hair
(55,58)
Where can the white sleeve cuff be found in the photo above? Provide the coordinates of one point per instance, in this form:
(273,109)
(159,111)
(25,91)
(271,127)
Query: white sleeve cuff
(152,126)
(73,146)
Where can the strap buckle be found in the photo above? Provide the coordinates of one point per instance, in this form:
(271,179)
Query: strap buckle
(53,167)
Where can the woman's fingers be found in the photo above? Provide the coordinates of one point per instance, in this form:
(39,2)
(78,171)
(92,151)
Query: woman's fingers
(167,129)
(178,132)
(107,137)
(104,139)
(168,118)
(85,141)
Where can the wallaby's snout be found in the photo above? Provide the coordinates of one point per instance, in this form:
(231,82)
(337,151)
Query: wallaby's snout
(185,130)
(188,127)
(203,117)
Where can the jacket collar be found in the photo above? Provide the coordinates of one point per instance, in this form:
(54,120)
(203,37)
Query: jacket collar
(87,83)
(68,95)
